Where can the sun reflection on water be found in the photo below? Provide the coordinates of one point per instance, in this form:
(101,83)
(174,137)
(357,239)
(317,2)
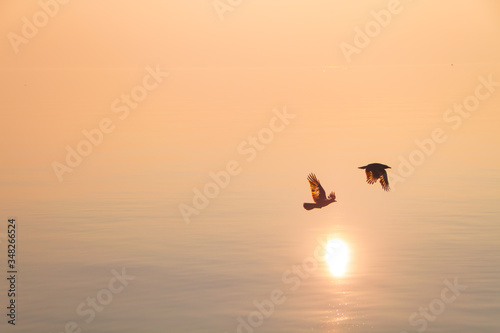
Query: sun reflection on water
(337,257)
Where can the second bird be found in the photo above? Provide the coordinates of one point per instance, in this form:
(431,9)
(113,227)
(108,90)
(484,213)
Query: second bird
(377,171)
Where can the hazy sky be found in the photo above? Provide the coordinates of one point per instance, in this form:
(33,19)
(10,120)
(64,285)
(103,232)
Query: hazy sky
(64,76)
(124,34)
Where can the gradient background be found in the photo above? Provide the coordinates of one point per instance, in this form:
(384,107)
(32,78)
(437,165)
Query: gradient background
(119,209)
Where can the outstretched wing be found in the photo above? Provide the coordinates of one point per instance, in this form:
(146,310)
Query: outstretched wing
(370,178)
(317,191)
(384,181)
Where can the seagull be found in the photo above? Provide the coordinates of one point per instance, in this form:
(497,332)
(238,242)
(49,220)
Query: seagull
(318,194)
(376,171)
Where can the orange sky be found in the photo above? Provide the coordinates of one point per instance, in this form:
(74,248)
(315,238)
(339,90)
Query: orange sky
(229,73)
(124,34)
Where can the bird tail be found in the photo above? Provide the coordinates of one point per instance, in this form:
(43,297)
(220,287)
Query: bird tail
(309,206)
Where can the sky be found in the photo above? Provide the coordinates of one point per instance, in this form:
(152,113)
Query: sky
(86,54)
(122,34)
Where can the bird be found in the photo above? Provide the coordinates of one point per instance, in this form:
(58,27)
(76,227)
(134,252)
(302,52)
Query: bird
(318,194)
(375,171)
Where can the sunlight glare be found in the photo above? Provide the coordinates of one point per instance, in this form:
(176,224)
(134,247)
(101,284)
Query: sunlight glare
(337,256)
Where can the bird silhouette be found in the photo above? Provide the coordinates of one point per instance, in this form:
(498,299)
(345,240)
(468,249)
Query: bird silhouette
(375,171)
(318,194)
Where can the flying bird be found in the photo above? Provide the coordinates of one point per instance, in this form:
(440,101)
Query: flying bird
(318,194)
(377,171)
